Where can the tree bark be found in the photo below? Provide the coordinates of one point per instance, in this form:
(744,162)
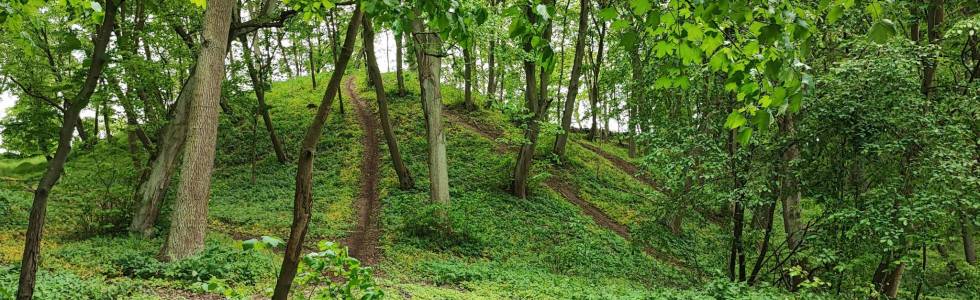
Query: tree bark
(468,65)
(966,231)
(594,92)
(258,85)
(790,187)
(152,191)
(536,103)
(934,19)
(491,68)
(106,120)
(405,180)
(312,62)
(35,225)
(428,47)
(566,117)
(190,212)
(303,197)
(399,75)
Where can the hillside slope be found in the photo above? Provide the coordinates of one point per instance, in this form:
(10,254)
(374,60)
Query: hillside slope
(590,230)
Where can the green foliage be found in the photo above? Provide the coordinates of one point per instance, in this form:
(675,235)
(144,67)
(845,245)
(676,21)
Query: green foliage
(340,276)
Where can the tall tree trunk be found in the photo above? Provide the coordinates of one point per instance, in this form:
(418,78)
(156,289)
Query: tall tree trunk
(636,95)
(335,40)
(405,180)
(258,85)
(312,61)
(468,65)
(966,232)
(39,207)
(536,103)
(737,253)
(152,191)
(107,119)
(427,46)
(95,125)
(934,19)
(594,92)
(566,117)
(491,78)
(190,213)
(790,187)
(398,64)
(303,197)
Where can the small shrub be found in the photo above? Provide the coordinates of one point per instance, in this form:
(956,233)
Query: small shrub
(434,226)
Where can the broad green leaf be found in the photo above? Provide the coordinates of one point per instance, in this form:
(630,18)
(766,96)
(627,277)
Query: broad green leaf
(882,31)
(735,120)
(694,32)
(619,24)
(744,135)
(200,3)
(640,7)
(608,13)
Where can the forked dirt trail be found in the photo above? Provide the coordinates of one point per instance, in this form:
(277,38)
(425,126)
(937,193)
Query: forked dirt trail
(363,242)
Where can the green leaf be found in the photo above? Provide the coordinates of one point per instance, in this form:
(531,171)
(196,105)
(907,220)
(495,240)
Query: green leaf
(664,48)
(744,135)
(875,10)
(272,242)
(689,54)
(882,31)
(694,32)
(200,3)
(619,24)
(662,83)
(608,13)
(735,120)
(250,244)
(640,7)
(629,39)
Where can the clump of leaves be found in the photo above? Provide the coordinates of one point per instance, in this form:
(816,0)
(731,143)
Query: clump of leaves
(442,228)
(333,274)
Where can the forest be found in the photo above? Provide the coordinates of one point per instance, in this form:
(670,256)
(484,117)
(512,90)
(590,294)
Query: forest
(489,149)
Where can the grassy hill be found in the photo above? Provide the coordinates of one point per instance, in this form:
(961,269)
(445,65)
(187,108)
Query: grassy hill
(499,247)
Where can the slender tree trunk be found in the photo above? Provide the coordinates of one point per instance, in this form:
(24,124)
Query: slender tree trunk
(95,125)
(594,93)
(934,19)
(303,197)
(335,40)
(491,77)
(966,231)
(258,85)
(398,64)
(106,119)
(312,62)
(566,117)
(405,180)
(468,65)
(636,96)
(427,47)
(536,103)
(189,219)
(35,224)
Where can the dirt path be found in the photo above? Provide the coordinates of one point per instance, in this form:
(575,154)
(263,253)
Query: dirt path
(363,242)
(623,165)
(570,193)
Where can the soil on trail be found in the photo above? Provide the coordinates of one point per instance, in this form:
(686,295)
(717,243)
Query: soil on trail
(570,192)
(364,240)
(623,165)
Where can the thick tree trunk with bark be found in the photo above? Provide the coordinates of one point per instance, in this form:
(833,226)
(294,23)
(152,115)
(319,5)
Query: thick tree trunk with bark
(790,187)
(491,78)
(303,197)
(428,48)
(573,83)
(405,180)
(934,19)
(189,219)
(39,207)
(152,191)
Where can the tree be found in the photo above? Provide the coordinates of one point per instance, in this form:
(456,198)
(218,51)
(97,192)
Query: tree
(303,197)
(540,62)
(405,180)
(35,225)
(189,219)
(573,82)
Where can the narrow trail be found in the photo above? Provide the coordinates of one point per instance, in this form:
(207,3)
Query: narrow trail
(623,165)
(632,170)
(364,240)
(570,193)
